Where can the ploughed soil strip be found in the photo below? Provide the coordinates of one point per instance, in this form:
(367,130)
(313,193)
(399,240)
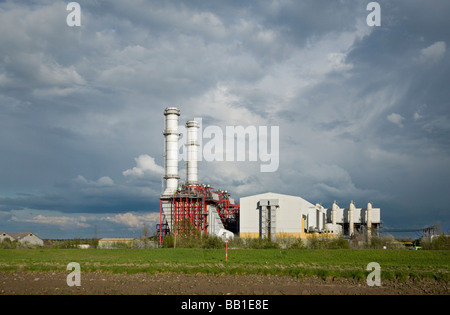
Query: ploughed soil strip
(54,283)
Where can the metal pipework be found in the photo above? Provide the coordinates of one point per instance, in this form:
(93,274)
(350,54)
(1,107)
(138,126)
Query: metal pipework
(171,135)
(192,152)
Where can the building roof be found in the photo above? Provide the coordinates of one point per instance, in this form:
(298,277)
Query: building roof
(272,195)
(18,235)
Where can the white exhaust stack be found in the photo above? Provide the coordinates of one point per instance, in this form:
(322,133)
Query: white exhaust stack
(334,209)
(192,152)
(369,220)
(171,150)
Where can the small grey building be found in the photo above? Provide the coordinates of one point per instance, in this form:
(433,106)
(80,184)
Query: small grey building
(22,237)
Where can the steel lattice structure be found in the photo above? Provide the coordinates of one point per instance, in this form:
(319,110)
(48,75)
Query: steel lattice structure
(191,203)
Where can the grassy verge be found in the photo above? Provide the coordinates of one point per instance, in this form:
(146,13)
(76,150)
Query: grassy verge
(395,264)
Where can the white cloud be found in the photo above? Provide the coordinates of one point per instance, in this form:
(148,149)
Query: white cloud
(433,53)
(61,221)
(104,181)
(145,165)
(41,74)
(417,116)
(337,63)
(396,119)
(134,221)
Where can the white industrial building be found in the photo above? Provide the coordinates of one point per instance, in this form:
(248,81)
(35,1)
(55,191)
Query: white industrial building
(272,215)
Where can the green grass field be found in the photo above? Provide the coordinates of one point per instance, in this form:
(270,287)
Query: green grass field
(395,264)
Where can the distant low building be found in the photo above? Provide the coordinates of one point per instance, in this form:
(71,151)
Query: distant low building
(22,237)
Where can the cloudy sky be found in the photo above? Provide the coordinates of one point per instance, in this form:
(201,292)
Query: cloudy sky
(363,112)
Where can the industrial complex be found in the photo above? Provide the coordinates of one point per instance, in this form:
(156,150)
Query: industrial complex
(266,215)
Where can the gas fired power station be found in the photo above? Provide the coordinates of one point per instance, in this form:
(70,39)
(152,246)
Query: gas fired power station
(198,206)
(191,204)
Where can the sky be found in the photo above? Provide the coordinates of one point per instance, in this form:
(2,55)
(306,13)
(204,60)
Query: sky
(363,111)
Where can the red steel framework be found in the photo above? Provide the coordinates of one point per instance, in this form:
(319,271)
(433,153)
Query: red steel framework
(190,203)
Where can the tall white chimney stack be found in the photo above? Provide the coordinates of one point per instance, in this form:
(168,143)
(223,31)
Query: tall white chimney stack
(192,152)
(369,220)
(171,135)
(351,215)
(334,209)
